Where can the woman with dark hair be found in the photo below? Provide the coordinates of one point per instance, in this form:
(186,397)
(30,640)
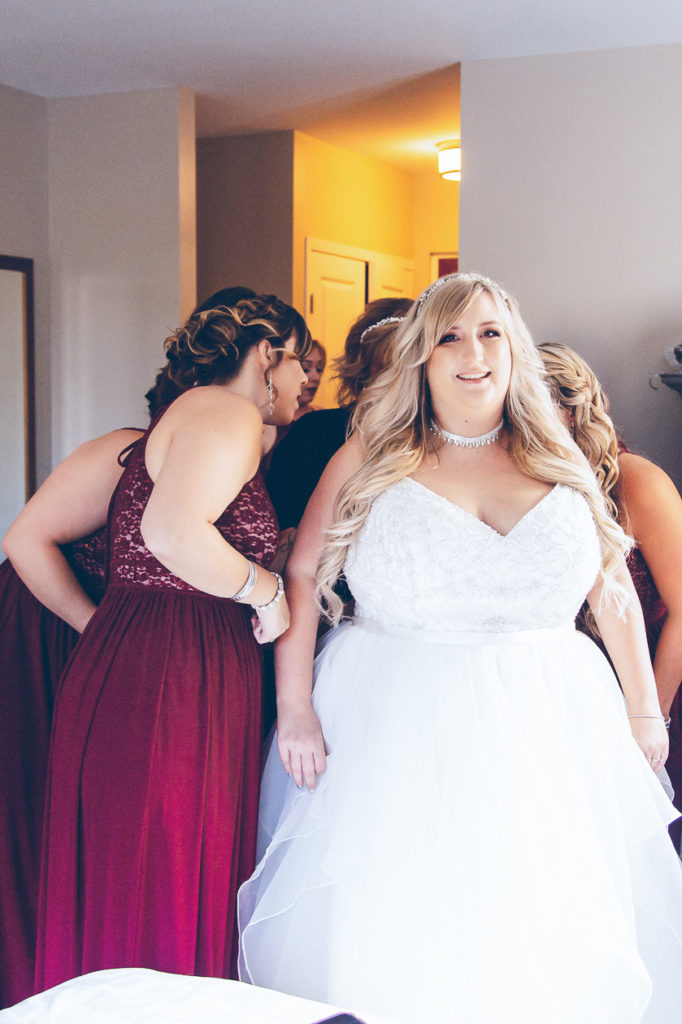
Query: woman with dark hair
(165,389)
(154,765)
(299,459)
(314,366)
(50,584)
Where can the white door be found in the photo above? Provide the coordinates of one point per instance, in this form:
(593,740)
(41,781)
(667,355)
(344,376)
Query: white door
(390,277)
(336,293)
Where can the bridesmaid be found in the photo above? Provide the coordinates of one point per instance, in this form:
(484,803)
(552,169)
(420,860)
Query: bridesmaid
(55,548)
(648,506)
(154,769)
(49,587)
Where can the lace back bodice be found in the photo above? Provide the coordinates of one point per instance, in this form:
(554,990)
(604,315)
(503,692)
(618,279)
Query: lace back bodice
(87,558)
(424,563)
(249,524)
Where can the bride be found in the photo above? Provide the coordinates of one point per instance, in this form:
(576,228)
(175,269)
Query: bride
(463,824)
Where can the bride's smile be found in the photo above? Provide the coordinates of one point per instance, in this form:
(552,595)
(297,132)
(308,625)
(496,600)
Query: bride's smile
(469,370)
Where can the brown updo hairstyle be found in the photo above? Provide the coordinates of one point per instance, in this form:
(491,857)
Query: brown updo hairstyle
(224,297)
(575,388)
(363,357)
(211,347)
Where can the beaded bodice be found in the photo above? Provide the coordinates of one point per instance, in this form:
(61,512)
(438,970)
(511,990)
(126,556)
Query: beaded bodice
(87,558)
(422,562)
(248,523)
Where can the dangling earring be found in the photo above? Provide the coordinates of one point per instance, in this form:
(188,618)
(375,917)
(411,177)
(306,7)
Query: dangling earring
(271,395)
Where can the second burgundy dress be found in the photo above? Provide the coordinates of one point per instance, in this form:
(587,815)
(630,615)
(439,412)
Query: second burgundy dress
(154,770)
(35,646)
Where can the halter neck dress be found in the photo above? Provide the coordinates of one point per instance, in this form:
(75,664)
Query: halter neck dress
(154,771)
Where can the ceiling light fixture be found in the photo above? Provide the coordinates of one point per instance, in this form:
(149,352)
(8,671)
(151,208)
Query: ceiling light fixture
(450,160)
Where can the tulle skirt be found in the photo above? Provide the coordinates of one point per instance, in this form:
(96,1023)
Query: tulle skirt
(487,844)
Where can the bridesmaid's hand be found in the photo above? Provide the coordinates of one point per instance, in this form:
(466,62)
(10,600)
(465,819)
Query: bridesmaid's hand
(651,737)
(270,623)
(301,746)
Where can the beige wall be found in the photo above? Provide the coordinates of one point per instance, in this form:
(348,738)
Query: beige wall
(122,249)
(436,222)
(24,227)
(350,199)
(571,198)
(244,213)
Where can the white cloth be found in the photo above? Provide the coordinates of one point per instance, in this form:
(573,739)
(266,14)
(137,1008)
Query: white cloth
(133,995)
(487,843)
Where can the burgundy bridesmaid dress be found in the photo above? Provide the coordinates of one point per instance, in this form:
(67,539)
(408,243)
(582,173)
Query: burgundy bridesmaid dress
(155,761)
(34,648)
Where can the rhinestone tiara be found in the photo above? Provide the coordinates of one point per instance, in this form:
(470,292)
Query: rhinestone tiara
(449,277)
(380,323)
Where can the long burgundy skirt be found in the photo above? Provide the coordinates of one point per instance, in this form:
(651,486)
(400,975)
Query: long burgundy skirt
(152,788)
(34,648)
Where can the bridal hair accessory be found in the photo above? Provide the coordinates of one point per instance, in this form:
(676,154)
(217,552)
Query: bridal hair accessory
(449,277)
(271,395)
(380,323)
(459,441)
(248,586)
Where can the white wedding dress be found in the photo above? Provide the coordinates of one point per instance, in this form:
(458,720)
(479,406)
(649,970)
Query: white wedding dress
(488,844)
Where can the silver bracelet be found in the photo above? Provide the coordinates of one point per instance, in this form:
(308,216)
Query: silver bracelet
(249,585)
(276,599)
(661,718)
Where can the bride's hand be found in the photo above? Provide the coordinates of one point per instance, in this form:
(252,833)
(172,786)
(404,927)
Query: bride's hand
(651,736)
(301,745)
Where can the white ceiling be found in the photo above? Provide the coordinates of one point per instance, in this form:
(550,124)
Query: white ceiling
(330,68)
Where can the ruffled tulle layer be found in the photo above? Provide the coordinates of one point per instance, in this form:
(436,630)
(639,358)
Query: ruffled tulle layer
(487,844)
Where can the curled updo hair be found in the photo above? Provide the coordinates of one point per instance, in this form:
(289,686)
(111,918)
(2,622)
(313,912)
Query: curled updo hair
(394,412)
(575,388)
(363,357)
(211,347)
(224,297)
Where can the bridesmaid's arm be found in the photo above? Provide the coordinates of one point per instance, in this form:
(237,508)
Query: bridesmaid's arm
(199,456)
(625,641)
(70,505)
(653,509)
(301,745)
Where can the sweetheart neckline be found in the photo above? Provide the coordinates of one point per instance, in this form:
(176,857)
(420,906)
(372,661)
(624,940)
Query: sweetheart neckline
(471,515)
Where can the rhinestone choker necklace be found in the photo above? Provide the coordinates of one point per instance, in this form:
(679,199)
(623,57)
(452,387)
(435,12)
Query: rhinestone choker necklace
(466,442)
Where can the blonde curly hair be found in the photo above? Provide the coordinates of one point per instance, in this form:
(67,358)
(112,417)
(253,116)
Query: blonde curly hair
(392,422)
(575,388)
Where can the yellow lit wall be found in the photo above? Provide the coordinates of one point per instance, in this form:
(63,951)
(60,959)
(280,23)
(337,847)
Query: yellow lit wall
(344,197)
(436,221)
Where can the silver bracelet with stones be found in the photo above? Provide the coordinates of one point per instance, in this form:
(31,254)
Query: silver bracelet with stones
(276,599)
(251,580)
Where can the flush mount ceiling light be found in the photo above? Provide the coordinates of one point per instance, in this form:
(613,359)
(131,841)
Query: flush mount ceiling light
(450,160)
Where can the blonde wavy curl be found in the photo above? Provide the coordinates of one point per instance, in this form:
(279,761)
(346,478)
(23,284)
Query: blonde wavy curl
(575,388)
(392,419)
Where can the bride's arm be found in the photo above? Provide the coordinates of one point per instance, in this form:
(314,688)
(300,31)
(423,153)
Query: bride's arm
(301,745)
(625,641)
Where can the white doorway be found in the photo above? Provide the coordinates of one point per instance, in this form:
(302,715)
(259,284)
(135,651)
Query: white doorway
(339,282)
